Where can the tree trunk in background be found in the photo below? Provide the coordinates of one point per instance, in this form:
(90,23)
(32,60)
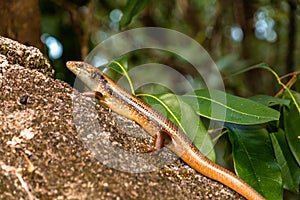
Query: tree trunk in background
(258,80)
(21,20)
(244,12)
(291,37)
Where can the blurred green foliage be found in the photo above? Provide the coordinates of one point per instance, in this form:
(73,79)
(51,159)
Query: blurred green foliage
(235,34)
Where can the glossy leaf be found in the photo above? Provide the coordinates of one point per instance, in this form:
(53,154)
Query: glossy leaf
(132,8)
(257,66)
(269,100)
(290,170)
(183,115)
(292,130)
(221,106)
(254,160)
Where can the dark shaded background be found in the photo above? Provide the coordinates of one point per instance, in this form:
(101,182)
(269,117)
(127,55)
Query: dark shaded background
(270,32)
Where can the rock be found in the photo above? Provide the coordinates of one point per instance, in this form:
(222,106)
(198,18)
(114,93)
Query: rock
(28,57)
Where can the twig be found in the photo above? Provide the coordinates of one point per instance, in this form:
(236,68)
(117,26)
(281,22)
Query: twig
(289,83)
(297,73)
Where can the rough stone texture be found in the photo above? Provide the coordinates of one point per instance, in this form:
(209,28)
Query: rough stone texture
(45,128)
(28,57)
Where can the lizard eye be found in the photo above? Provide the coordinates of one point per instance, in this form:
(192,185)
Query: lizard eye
(97,76)
(94,75)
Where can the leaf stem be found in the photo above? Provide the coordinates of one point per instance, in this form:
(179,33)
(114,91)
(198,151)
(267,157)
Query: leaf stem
(126,75)
(165,106)
(284,87)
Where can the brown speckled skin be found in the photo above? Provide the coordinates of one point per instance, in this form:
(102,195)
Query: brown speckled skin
(123,103)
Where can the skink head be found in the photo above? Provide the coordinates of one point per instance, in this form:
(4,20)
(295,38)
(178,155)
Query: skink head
(93,78)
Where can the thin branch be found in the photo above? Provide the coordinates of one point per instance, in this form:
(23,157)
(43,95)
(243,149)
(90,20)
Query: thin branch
(289,83)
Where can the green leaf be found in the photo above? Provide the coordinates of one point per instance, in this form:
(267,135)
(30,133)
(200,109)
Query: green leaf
(269,100)
(132,8)
(292,130)
(183,115)
(254,160)
(221,106)
(289,168)
(257,66)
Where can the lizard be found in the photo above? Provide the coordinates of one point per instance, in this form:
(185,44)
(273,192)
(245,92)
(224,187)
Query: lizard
(164,131)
